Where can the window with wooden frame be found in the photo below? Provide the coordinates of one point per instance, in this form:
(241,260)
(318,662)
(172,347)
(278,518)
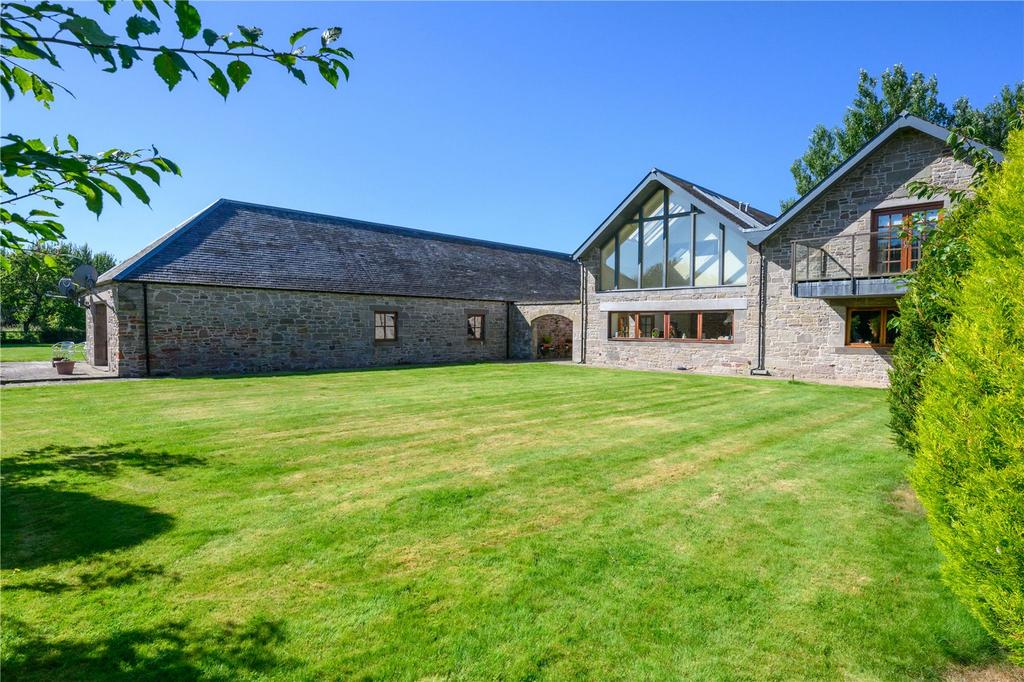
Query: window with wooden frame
(385,326)
(896,235)
(710,326)
(475,327)
(870,327)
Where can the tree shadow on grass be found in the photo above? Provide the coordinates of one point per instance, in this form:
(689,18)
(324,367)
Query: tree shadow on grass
(44,521)
(109,575)
(105,460)
(170,651)
(41,525)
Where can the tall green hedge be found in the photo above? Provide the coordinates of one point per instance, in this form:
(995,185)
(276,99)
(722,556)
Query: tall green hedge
(969,465)
(925,313)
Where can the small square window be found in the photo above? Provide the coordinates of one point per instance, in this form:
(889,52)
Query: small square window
(385,326)
(475,327)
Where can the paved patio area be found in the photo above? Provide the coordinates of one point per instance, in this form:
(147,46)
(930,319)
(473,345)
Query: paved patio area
(39,372)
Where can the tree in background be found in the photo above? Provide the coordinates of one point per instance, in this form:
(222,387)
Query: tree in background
(37,177)
(29,292)
(877,104)
(969,464)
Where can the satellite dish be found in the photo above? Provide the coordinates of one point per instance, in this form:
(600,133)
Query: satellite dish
(66,287)
(85,276)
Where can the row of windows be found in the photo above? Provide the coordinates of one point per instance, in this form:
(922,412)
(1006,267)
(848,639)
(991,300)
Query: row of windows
(865,327)
(698,326)
(385,326)
(666,244)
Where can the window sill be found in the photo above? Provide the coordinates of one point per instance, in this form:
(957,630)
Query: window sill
(385,342)
(643,340)
(705,287)
(864,350)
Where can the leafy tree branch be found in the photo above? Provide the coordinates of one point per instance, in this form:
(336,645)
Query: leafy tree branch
(37,34)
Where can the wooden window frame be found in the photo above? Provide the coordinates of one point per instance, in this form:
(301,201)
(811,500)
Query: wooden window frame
(385,326)
(665,326)
(483,327)
(883,323)
(906,262)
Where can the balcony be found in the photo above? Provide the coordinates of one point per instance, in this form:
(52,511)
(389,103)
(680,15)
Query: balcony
(865,264)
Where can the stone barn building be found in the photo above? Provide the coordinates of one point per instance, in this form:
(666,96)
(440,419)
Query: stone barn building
(247,288)
(678,277)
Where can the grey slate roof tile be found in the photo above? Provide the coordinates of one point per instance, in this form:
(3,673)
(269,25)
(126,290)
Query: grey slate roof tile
(248,245)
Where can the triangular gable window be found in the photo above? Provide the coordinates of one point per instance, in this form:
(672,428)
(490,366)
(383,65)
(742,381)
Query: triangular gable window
(654,248)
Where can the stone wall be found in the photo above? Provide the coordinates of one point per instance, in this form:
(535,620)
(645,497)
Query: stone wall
(805,337)
(712,358)
(524,332)
(101,298)
(215,330)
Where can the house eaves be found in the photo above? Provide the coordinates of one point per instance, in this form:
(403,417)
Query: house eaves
(704,200)
(903,121)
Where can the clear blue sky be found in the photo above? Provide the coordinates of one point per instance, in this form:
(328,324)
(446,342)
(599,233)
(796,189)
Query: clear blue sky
(524,123)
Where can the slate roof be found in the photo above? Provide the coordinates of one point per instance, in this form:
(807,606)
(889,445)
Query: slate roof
(763,218)
(232,243)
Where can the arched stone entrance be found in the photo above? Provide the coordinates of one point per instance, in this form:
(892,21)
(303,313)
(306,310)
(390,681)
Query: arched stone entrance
(551,338)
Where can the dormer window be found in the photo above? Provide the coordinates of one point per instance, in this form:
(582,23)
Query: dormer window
(654,249)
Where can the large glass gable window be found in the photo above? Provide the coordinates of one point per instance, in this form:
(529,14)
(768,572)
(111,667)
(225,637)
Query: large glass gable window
(666,244)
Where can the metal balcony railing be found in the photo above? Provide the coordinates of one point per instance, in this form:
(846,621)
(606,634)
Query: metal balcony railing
(857,264)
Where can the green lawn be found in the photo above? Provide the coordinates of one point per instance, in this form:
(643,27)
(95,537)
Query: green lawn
(472,522)
(25,352)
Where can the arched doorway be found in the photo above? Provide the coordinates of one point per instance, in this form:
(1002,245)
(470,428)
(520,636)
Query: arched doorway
(551,338)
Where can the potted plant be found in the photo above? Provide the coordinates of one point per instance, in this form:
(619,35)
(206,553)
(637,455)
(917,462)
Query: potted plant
(64,360)
(655,333)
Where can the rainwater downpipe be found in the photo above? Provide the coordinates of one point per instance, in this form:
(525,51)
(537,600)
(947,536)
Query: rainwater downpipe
(762,307)
(145,323)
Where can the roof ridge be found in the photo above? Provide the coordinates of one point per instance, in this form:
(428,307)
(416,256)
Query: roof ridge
(408,231)
(720,195)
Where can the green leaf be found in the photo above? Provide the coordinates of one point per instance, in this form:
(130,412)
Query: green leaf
(330,35)
(42,91)
(23,79)
(189,21)
(166,165)
(251,34)
(285,59)
(134,187)
(210,37)
(218,81)
(108,188)
(138,25)
(297,36)
(128,56)
(73,141)
(167,68)
(298,74)
(151,173)
(329,74)
(92,195)
(87,30)
(239,72)
(108,5)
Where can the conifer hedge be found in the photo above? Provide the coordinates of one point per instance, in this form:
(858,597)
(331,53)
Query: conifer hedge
(969,460)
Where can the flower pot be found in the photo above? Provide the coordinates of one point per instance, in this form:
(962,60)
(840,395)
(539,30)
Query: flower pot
(65,366)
